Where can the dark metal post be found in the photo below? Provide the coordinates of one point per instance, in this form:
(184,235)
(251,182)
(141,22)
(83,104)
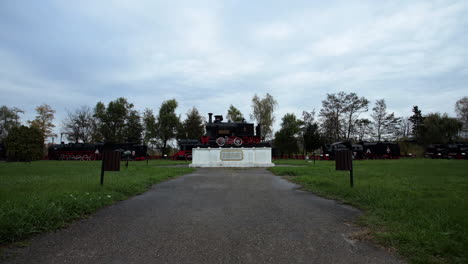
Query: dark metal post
(351,178)
(102,170)
(126,165)
(314,157)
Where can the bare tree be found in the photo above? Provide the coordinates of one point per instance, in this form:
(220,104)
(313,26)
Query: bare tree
(263,113)
(333,108)
(405,127)
(461,108)
(385,124)
(354,106)
(78,125)
(362,128)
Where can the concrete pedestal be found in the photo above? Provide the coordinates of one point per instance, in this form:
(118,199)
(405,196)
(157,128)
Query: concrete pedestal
(231,157)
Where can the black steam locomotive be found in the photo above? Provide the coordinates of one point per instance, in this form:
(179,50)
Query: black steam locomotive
(449,151)
(364,150)
(84,151)
(221,134)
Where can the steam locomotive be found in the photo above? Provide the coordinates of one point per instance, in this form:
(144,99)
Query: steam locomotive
(221,134)
(450,151)
(364,150)
(84,151)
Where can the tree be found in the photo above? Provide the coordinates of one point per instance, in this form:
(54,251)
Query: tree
(263,113)
(310,134)
(9,118)
(168,123)
(111,121)
(440,129)
(133,128)
(192,127)
(24,143)
(363,128)
(405,128)
(333,108)
(417,121)
(461,108)
(234,114)
(353,107)
(385,124)
(78,125)
(149,126)
(286,137)
(43,121)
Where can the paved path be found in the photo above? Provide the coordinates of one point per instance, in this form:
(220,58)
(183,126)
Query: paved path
(212,216)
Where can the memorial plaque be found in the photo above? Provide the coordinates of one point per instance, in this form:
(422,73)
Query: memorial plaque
(231,155)
(344,160)
(111,160)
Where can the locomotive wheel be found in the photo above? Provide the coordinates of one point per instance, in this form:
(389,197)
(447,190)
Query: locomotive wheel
(237,141)
(220,141)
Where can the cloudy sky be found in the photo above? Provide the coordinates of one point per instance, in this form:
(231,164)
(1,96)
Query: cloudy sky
(210,54)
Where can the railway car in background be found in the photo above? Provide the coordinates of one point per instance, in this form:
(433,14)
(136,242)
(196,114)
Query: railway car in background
(450,151)
(363,150)
(381,150)
(85,151)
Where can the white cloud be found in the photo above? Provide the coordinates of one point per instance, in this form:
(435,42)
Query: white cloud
(209,55)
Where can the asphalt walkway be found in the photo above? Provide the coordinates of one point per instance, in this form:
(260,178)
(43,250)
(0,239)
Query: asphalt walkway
(212,216)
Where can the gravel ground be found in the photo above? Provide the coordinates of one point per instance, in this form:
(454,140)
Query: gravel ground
(211,216)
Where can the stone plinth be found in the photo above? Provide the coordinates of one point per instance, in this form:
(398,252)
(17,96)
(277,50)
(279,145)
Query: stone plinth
(231,157)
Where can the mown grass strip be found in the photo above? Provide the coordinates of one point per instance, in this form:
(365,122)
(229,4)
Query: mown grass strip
(45,195)
(418,206)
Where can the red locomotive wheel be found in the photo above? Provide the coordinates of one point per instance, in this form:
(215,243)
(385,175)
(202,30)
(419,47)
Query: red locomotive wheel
(220,141)
(237,141)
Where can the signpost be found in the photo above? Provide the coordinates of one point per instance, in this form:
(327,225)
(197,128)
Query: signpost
(110,160)
(344,161)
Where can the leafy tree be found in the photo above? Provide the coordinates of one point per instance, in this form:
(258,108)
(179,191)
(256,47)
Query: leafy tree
(24,143)
(353,107)
(286,138)
(168,123)
(9,118)
(149,125)
(310,134)
(192,127)
(78,125)
(417,121)
(234,114)
(43,121)
(133,127)
(263,113)
(111,121)
(440,129)
(385,124)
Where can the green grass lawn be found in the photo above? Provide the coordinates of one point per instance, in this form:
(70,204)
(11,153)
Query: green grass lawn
(45,195)
(418,206)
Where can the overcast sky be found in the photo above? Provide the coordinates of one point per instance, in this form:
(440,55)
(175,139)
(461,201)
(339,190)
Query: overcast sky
(210,54)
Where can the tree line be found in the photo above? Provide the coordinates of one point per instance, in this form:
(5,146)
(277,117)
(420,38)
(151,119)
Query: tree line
(340,118)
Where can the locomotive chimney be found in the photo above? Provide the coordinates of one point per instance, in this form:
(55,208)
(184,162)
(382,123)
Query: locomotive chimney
(210,118)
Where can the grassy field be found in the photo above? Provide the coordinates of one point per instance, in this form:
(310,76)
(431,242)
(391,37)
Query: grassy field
(418,206)
(45,195)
